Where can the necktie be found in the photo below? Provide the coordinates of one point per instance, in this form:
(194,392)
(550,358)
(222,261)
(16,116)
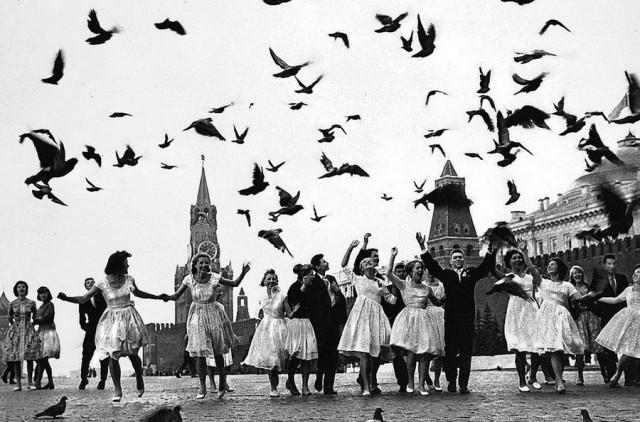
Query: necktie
(612,281)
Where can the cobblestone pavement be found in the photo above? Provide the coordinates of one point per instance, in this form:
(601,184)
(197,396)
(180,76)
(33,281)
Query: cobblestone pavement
(494,397)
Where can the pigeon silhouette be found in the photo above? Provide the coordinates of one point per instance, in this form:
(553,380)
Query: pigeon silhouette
(596,149)
(389,24)
(102,35)
(44,190)
(239,136)
(523,58)
(247,215)
(513,192)
(55,410)
(90,154)
(273,237)
(377,415)
(487,98)
(204,127)
(58,70)
(218,110)
(273,167)
(528,85)
(166,142)
(167,166)
(500,236)
(317,217)
(420,187)
(307,89)
(473,155)
(51,154)
(508,285)
(174,26)
(485,79)
(448,194)
(386,197)
(340,36)
(631,100)
(346,168)
(128,158)
(585,415)
(426,40)
(553,22)
(353,117)
(437,146)
(258,183)
(119,114)
(297,106)
(288,203)
(528,117)
(406,42)
(433,92)
(287,70)
(434,133)
(164,414)
(485,117)
(92,187)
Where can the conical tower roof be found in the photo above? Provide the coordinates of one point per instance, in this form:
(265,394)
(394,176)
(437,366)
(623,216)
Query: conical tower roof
(203,189)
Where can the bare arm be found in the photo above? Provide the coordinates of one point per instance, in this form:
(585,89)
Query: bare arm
(622,297)
(347,254)
(176,294)
(79,299)
(142,294)
(235,283)
(390,275)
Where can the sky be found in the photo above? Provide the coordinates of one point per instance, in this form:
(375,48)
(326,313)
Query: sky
(166,81)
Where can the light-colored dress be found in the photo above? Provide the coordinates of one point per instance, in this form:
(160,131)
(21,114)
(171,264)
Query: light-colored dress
(367,329)
(49,341)
(268,346)
(521,318)
(588,323)
(556,331)
(622,332)
(417,328)
(21,341)
(209,333)
(120,331)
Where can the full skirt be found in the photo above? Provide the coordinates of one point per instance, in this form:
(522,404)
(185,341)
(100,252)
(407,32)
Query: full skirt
(556,331)
(21,342)
(208,333)
(622,333)
(49,342)
(589,326)
(268,348)
(419,330)
(120,332)
(301,339)
(367,330)
(520,325)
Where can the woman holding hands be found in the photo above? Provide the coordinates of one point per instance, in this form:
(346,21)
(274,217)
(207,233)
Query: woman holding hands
(416,330)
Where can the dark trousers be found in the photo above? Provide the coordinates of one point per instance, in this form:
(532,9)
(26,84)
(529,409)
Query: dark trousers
(607,360)
(458,349)
(328,360)
(9,372)
(400,367)
(88,349)
(187,360)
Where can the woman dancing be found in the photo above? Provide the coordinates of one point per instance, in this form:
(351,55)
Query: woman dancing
(556,331)
(588,323)
(622,332)
(367,331)
(416,330)
(120,331)
(302,345)
(21,341)
(208,334)
(522,315)
(268,348)
(49,341)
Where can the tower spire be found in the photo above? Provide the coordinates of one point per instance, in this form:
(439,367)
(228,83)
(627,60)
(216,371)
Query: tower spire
(203,189)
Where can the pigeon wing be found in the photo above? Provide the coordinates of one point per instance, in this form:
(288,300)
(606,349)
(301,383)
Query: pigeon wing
(94,24)
(278,60)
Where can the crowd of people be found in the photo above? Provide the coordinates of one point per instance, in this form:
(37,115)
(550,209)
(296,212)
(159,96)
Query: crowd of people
(417,314)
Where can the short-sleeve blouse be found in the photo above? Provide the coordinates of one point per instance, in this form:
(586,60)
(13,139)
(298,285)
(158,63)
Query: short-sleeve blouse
(560,292)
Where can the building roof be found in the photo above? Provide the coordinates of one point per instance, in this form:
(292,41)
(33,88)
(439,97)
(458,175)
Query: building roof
(203,190)
(448,170)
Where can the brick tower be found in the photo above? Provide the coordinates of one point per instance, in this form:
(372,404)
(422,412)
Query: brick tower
(203,227)
(243,306)
(452,226)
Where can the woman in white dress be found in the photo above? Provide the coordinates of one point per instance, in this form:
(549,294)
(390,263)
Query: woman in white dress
(120,331)
(522,314)
(367,332)
(302,345)
(556,331)
(208,334)
(588,323)
(416,330)
(268,348)
(622,332)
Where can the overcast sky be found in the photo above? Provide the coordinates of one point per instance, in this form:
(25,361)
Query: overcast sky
(166,81)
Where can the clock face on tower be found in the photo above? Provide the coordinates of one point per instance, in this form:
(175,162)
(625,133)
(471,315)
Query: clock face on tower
(209,248)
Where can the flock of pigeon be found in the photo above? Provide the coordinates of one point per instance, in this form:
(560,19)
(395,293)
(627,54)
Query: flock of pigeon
(55,164)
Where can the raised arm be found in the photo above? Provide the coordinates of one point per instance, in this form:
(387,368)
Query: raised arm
(622,297)
(347,254)
(532,269)
(390,275)
(79,299)
(235,283)
(431,264)
(487,265)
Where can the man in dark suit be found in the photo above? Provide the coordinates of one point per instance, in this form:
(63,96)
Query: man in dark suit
(459,312)
(90,313)
(608,283)
(327,311)
(390,310)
